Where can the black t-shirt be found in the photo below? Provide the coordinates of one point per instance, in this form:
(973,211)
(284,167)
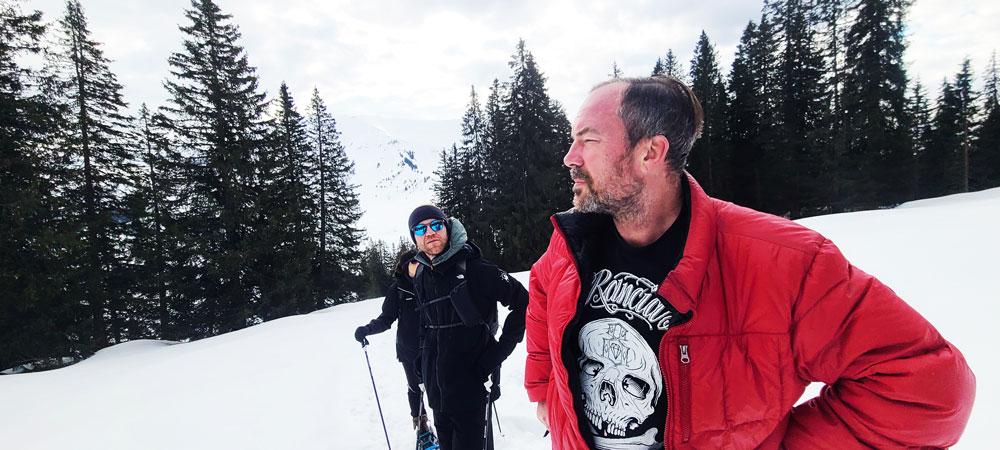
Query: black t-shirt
(620,320)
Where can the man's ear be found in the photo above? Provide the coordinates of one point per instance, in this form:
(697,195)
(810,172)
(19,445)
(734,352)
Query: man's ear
(654,150)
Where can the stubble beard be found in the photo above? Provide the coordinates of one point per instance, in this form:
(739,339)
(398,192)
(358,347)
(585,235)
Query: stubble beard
(621,202)
(432,249)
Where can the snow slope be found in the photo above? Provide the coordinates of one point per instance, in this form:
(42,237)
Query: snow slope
(301,382)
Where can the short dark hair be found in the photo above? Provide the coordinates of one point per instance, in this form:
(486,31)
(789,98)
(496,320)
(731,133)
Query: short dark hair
(661,105)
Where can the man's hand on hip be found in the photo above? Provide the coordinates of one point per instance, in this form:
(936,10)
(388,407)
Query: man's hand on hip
(543,414)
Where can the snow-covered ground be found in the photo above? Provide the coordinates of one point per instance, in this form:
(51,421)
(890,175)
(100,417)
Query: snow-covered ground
(301,382)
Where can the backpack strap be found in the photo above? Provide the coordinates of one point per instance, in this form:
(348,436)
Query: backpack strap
(461,300)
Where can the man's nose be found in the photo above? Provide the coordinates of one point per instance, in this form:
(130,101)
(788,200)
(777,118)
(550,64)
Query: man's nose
(573,156)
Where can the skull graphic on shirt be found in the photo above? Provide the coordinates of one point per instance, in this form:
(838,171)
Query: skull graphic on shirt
(620,379)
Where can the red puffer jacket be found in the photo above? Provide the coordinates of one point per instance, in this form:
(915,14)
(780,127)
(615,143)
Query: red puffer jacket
(776,306)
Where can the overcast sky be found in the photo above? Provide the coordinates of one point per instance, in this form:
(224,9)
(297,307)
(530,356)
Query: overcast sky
(417,59)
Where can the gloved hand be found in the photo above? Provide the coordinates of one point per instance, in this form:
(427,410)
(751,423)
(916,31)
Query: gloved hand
(494,392)
(489,361)
(361,334)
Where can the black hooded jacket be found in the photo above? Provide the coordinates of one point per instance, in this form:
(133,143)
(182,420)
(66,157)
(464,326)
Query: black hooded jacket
(400,304)
(459,351)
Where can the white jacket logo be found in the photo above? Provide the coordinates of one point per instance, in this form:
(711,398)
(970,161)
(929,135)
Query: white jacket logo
(633,296)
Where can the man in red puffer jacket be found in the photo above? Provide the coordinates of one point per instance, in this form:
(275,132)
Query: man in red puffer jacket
(660,317)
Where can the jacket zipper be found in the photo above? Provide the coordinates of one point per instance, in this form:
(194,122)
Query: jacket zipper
(685,390)
(683,387)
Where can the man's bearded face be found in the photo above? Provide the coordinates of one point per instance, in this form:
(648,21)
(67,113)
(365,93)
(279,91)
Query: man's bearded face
(616,193)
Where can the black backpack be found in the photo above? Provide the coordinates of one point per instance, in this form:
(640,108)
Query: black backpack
(461,300)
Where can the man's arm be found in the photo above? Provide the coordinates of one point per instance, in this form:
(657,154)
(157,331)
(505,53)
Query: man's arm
(390,312)
(510,293)
(538,367)
(892,380)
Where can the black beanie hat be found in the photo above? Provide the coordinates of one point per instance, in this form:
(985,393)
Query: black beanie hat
(423,213)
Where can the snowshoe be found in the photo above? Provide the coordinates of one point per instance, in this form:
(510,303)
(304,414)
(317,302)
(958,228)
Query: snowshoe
(426,440)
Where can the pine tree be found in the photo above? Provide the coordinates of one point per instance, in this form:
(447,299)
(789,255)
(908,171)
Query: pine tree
(528,161)
(616,72)
(921,130)
(284,243)
(377,263)
(447,195)
(968,113)
(153,207)
(944,168)
(463,181)
(801,114)
(98,171)
(764,62)
(672,66)
(939,161)
(339,246)
(745,115)
(657,68)
(36,315)
(708,161)
(474,137)
(494,136)
(147,207)
(832,23)
(985,172)
(879,152)
(968,120)
(216,111)
(669,67)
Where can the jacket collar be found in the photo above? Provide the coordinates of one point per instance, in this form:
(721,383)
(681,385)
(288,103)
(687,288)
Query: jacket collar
(683,284)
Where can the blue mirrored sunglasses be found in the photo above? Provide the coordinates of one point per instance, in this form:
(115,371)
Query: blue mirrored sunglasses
(420,229)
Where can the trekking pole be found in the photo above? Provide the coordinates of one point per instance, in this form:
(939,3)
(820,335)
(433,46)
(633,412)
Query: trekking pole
(497,417)
(489,422)
(370,374)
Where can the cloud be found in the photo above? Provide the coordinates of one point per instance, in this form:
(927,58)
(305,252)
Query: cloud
(417,59)
(941,34)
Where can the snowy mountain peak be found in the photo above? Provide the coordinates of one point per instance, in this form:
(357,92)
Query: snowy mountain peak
(394,163)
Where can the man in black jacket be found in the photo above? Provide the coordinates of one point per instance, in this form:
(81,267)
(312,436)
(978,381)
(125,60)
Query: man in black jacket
(457,295)
(400,303)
